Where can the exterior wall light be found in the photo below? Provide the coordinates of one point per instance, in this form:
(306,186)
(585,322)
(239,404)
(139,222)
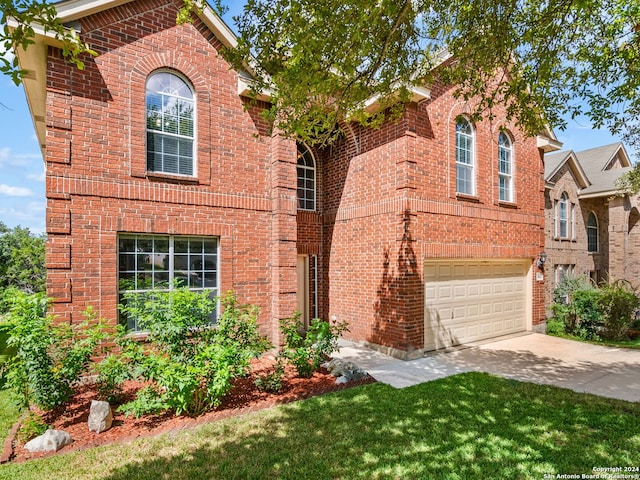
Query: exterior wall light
(542,260)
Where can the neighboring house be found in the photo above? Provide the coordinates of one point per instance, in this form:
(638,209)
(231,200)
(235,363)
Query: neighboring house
(421,234)
(590,229)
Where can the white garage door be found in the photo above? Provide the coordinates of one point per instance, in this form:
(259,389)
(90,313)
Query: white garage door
(470,300)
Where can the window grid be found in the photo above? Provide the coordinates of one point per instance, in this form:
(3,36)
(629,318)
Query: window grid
(170,111)
(563,217)
(464,158)
(147,262)
(592,233)
(306,179)
(505,167)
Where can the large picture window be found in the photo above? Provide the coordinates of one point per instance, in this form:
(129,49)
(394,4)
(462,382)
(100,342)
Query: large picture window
(465,181)
(306,179)
(147,262)
(170,124)
(505,168)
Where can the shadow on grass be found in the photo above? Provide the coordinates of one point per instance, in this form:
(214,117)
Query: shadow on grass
(467,426)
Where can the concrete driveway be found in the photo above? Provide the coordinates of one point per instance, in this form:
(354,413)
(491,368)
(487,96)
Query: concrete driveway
(531,357)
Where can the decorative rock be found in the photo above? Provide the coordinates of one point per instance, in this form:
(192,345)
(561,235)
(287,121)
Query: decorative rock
(345,371)
(49,441)
(100,416)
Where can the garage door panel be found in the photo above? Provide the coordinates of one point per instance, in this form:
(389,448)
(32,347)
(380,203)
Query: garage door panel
(470,300)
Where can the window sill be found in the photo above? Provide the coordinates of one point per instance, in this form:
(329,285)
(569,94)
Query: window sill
(167,177)
(467,198)
(502,203)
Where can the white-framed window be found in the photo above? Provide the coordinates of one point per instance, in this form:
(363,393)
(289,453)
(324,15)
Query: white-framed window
(147,262)
(170,112)
(505,168)
(592,233)
(306,170)
(562,223)
(465,174)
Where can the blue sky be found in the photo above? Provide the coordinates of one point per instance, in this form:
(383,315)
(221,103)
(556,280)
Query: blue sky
(22,199)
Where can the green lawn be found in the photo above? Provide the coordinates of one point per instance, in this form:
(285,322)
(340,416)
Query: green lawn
(463,427)
(9,414)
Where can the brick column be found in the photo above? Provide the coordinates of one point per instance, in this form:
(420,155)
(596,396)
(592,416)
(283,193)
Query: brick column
(283,231)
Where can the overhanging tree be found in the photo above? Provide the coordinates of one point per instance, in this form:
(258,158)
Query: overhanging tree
(20,20)
(543,59)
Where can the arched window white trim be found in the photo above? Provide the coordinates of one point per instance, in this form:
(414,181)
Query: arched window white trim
(505,168)
(592,233)
(170,113)
(465,158)
(306,170)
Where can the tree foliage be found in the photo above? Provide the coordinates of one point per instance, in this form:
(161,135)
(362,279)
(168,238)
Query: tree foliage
(22,262)
(321,61)
(28,14)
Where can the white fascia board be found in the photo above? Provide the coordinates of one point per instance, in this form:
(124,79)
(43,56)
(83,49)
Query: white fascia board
(548,144)
(604,193)
(244,89)
(419,94)
(70,10)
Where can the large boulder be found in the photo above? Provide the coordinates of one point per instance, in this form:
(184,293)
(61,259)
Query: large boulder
(344,371)
(100,416)
(49,441)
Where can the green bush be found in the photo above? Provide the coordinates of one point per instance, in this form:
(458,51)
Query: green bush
(585,304)
(50,358)
(189,363)
(617,306)
(271,381)
(31,426)
(555,327)
(307,351)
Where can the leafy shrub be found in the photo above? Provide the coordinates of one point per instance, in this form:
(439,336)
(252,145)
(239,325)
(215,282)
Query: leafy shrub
(555,326)
(32,426)
(50,358)
(188,362)
(585,304)
(306,352)
(112,373)
(272,381)
(617,305)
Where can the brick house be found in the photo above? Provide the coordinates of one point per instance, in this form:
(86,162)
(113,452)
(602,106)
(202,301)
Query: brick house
(421,234)
(589,229)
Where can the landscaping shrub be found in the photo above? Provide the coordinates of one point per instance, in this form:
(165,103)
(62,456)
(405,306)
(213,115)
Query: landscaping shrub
(307,351)
(272,381)
(576,308)
(188,362)
(50,358)
(618,303)
(555,327)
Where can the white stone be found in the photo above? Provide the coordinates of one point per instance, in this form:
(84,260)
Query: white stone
(49,441)
(100,416)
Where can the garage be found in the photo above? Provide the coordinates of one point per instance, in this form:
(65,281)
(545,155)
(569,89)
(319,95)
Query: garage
(470,300)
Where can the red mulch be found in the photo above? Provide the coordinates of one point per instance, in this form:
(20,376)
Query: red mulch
(244,398)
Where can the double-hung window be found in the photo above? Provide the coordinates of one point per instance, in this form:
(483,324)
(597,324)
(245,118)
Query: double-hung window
(505,168)
(306,171)
(562,230)
(170,112)
(592,233)
(147,262)
(465,175)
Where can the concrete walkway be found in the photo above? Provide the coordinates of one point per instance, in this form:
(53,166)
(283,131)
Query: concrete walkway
(531,357)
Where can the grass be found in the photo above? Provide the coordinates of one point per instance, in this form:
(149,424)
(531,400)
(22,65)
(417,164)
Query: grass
(9,414)
(469,426)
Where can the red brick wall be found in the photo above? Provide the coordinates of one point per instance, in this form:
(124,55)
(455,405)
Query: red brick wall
(386,198)
(97,184)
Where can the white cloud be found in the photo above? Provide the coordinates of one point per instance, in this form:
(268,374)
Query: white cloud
(8,158)
(37,177)
(32,216)
(10,191)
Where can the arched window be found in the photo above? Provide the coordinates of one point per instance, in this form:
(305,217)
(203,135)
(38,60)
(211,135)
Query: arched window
(170,124)
(306,179)
(563,217)
(465,175)
(505,168)
(592,233)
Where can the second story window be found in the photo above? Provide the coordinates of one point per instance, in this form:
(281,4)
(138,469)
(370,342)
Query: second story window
(562,230)
(505,168)
(465,181)
(592,233)
(306,179)
(170,125)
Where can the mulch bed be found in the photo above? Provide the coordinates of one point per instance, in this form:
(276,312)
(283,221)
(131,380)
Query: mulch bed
(244,398)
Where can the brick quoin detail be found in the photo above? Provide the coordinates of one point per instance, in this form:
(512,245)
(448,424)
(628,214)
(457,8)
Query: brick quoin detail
(385,198)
